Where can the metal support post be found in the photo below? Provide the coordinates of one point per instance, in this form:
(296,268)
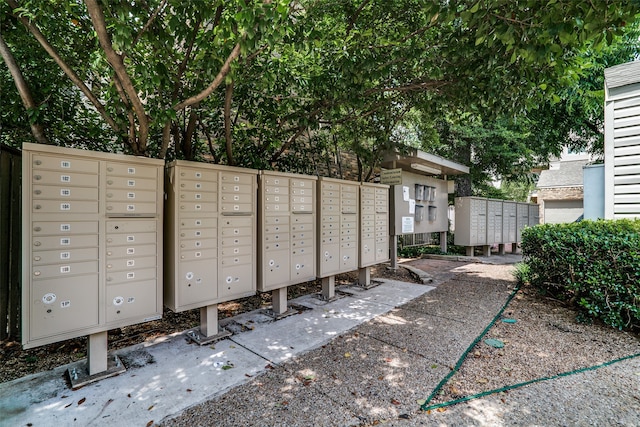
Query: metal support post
(443,242)
(97,353)
(394,252)
(329,287)
(279,301)
(209,320)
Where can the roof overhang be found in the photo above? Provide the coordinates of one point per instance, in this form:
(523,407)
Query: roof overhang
(422,163)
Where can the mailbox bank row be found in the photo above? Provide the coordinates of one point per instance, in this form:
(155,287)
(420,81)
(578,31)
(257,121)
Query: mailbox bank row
(106,244)
(484,222)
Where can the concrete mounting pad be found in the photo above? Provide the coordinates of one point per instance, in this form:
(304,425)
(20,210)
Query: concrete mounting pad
(169,375)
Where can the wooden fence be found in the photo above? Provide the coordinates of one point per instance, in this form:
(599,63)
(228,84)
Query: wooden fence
(10,242)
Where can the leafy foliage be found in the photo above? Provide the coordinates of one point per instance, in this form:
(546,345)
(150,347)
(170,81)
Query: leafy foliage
(592,264)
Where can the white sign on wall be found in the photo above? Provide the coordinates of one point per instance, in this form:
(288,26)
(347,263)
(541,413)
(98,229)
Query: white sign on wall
(407,224)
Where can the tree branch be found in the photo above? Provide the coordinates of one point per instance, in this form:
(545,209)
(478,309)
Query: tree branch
(149,22)
(224,70)
(23,89)
(64,67)
(99,24)
(354,17)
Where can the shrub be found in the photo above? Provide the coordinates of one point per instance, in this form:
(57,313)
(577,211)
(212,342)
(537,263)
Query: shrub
(594,265)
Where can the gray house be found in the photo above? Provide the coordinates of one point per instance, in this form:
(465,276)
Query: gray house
(622,141)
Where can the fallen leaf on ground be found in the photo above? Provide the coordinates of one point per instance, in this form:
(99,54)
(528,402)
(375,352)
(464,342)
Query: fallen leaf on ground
(441,409)
(150,423)
(395,402)
(347,355)
(81,401)
(421,401)
(150,407)
(482,381)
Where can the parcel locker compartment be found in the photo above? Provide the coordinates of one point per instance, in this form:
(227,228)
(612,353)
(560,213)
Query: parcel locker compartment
(349,258)
(131,238)
(199,223)
(199,233)
(131,300)
(58,306)
(187,174)
(65,178)
(237,241)
(131,226)
(41,228)
(236,281)
(199,196)
(197,282)
(199,254)
(198,244)
(276,268)
(231,261)
(137,262)
(131,183)
(46,243)
(276,207)
(132,275)
(198,208)
(130,208)
(73,255)
(237,178)
(64,192)
(367,251)
(130,196)
(64,269)
(65,206)
(302,267)
(131,170)
(71,164)
(137,250)
(244,221)
(329,258)
(382,251)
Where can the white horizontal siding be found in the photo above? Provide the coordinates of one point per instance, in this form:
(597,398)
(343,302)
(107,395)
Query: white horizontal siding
(628,189)
(627,112)
(627,160)
(626,179)
(628,131)
(627,208)
(625,122)
(626,151)
(625,142)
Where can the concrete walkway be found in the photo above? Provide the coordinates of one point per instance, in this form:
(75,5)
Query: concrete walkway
(365,358)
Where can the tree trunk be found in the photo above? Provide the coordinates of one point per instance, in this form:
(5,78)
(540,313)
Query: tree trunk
(228,94)
(23,89)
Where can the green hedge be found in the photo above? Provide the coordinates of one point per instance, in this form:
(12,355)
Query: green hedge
(592,264)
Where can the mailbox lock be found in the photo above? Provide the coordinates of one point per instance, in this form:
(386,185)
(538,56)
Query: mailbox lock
(109,253)
(36,243)
(110,182)
(110,169)
(38,162)
(37,177)
(37,229)
(109,266)
(38,207)
(36,258)
(38,191)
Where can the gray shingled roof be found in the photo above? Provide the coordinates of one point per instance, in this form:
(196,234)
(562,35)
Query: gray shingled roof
(569,174)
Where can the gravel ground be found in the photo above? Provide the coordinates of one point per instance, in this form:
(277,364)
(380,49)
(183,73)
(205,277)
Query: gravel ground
(17,362)
(387,373)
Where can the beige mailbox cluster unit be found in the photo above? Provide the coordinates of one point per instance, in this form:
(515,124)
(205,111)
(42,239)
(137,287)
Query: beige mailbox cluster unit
(337,226)
(287,252)
(210,237)
(484,222)
(92,243)
(374,224)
